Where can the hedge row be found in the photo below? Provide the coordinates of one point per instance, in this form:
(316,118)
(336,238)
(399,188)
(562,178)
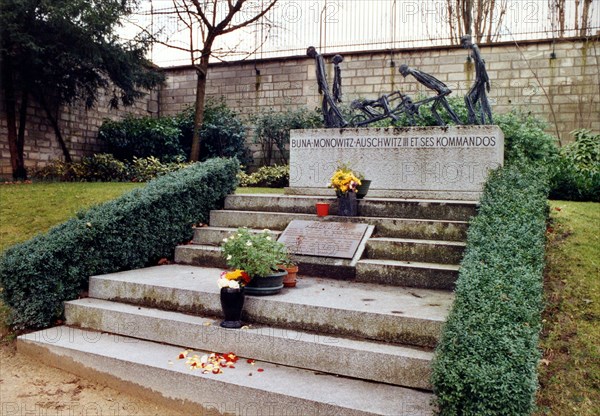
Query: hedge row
(486,362)
(130,232)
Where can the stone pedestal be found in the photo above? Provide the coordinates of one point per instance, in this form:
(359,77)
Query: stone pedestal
(413,162)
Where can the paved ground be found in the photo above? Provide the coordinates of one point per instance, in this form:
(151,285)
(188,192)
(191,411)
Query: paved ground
(31,388)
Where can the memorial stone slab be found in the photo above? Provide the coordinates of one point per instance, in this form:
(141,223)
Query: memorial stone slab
(431,162)
(324,239)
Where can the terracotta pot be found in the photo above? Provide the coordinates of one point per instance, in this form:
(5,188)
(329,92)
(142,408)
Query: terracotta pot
(266,285)
(322,209)
(290,279)
(232,302)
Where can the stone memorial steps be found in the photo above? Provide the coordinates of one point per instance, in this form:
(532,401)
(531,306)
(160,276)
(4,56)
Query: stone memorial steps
(384,227)
(424,251)
(369,360)
(407,273)
(368,207)
(153,371)
(407,316)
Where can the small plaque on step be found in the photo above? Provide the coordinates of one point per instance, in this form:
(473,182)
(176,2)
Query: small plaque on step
(324,239)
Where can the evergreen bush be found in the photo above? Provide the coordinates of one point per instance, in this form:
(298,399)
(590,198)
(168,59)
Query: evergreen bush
(486,362)
(130,232)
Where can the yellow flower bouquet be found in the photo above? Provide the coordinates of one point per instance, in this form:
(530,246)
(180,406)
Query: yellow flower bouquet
(344,180)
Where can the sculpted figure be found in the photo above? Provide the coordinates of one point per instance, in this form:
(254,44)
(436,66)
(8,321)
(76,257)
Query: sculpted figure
(477,93)
(436,85)
(331,113)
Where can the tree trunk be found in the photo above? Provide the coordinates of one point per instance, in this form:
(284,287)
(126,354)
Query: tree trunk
(53,120)
(201,72)
(16,158)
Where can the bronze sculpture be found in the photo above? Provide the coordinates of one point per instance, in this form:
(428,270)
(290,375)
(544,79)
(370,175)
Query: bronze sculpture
(331,113)
(436,85)
(477,93)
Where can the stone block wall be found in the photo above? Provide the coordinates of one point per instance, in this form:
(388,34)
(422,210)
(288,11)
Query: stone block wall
(79,127)
(565,89)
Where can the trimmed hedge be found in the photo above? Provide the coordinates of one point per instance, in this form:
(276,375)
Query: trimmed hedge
(130,232)
(486,362)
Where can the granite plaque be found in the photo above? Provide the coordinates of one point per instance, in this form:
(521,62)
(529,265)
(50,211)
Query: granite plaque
(324,239)
(434,161)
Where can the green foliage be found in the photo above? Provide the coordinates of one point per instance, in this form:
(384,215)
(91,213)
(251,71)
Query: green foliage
(525,139)
(258,254)
(272,131)
(105,168)
(223,133)
(486,362)
(143,137)
(266,176)
(69,50)
(130,232)
(575,174)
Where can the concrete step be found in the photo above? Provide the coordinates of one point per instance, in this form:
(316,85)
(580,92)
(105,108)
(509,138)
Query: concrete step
(210,256)
(368,207)
(384,227)
(386,363)
(153,371)
(215,235)
(363,310)
(407,274)
(424,251)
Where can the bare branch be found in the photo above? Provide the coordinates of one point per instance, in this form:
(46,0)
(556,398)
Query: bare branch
(201,14)
(252,20)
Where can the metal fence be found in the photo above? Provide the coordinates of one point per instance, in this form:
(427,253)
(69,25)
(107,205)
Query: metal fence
(355,25)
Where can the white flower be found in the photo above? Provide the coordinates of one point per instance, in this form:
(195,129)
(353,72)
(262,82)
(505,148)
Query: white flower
(268,238)
(233,284)
(223,283)
(225,240)
(248,243)
(229,257)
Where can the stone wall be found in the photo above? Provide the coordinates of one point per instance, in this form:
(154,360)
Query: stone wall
(564,90)
(78,125)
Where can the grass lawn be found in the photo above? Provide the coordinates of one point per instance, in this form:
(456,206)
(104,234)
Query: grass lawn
(570,369)
(30,209)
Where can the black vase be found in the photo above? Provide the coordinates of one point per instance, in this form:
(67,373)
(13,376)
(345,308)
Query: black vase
(348,205)
(232,302)
(363,188)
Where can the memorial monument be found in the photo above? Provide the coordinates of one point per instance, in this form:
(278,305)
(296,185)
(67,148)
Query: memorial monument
(439,162)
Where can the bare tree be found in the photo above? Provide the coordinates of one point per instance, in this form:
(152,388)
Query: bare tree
(481,19)
(204,21)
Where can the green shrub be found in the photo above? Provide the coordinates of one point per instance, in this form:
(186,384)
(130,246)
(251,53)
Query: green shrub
(143,137)
(486,362)
(272,131)
(130,232)
(146,169)
(267,176)
(105,168)
(575,174)
(223,133)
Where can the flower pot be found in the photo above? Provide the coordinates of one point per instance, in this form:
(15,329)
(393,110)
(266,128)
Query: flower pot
(266,285)
(348,205)
(290,279)
(232,302)
(362,190)
(322,209)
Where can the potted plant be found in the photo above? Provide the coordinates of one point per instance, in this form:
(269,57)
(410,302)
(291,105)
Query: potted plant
(292,271)
(257,254)
(345,182)
(232,285)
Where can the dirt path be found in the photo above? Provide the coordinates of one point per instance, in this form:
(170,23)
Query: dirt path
(31,388)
